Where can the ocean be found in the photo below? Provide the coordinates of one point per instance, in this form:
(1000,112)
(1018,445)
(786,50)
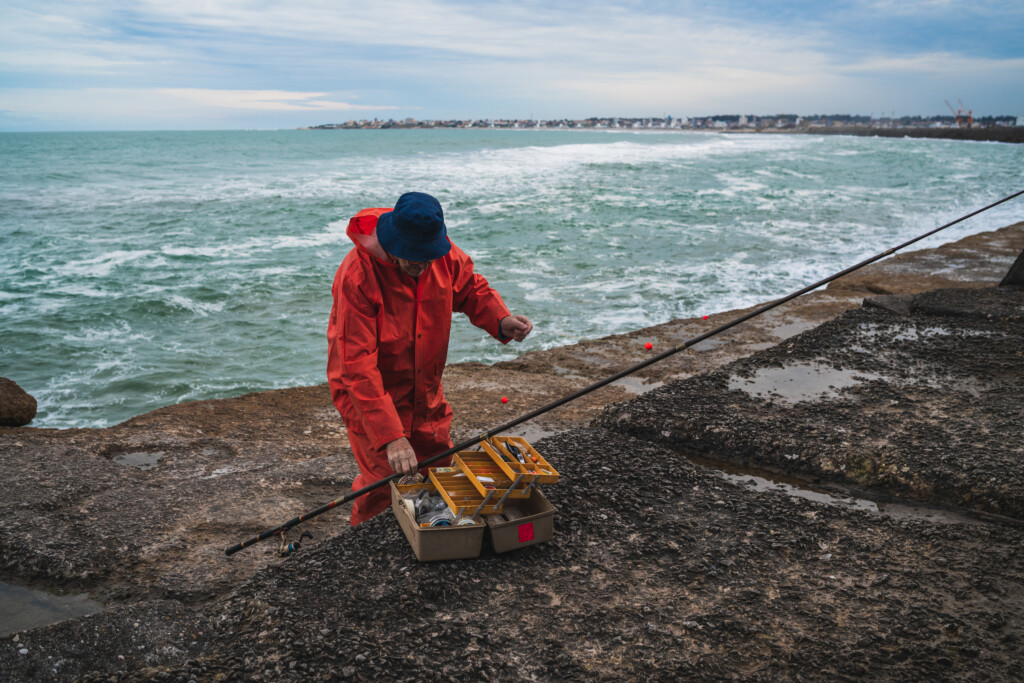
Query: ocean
(139,270)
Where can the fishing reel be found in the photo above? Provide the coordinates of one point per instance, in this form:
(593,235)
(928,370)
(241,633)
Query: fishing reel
(287,548)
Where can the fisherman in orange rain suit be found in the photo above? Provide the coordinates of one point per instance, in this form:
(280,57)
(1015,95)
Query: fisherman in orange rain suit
(388,338)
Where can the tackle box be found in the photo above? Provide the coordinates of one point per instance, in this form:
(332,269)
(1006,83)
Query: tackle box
(493,487)
(435,543)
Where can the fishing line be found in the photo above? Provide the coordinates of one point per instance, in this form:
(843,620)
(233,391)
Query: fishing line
(282,529)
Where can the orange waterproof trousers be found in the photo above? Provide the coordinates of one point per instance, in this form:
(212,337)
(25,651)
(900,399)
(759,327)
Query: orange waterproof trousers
(373,466)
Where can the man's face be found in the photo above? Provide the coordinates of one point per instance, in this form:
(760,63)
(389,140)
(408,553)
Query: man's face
(412,268)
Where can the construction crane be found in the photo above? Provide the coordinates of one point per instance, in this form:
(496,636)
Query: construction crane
(957,114)
(970,114)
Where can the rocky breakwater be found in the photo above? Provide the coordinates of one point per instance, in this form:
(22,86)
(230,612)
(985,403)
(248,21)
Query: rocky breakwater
(916,396)
(659,567)
(1009,134)
(658,570)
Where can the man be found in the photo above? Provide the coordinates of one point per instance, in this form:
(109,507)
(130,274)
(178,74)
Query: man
(388,338)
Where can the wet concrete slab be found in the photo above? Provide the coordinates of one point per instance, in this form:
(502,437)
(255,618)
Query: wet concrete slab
(799,382)
(140,459)
(26,608)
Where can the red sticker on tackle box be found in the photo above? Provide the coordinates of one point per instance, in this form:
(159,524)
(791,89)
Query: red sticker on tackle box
(525,532)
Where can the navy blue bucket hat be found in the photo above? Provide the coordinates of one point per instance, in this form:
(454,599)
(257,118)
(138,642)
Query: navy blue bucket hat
(415,230)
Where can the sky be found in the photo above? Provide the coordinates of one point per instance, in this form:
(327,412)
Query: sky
(236,64)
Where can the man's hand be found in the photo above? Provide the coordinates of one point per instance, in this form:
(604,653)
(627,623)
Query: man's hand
(516,327)
(401,456)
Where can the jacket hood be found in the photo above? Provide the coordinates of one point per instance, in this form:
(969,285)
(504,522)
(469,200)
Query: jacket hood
(362,230)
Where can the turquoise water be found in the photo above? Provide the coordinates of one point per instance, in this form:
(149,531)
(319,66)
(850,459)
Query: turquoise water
(143,269)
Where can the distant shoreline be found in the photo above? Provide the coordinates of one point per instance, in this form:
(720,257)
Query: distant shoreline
(1009,134)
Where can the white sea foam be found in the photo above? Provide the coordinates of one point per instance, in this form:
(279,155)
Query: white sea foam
(199,308)
(334,233)
(106,337)
(103,265)
(76,289)
(735,183)
(210,251)
(273,271)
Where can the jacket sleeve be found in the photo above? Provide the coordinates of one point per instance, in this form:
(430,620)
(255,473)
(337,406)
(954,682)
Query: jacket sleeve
(473,296)
(353,355)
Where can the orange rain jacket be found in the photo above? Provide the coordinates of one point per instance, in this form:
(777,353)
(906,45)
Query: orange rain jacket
(388,343)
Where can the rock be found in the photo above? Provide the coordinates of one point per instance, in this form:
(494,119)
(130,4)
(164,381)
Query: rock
(17,407)
(1015,276)
(896,303)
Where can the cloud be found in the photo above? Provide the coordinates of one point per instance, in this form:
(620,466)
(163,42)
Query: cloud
(390,32)
(162,108)
(448,58)
(265,100)
(937,64)
(946,8)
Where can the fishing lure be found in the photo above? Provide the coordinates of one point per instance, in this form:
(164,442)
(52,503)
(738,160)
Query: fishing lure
(514,450)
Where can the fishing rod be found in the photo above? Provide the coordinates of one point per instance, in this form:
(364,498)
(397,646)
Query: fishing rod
(283,529)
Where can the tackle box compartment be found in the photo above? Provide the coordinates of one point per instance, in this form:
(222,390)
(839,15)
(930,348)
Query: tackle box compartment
(485,474)
(431,544)
(537,525)
(460,493)
(497,448)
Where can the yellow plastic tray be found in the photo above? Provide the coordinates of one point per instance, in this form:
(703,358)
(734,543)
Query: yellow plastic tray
(460,493)
(535,464)
(486,475)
